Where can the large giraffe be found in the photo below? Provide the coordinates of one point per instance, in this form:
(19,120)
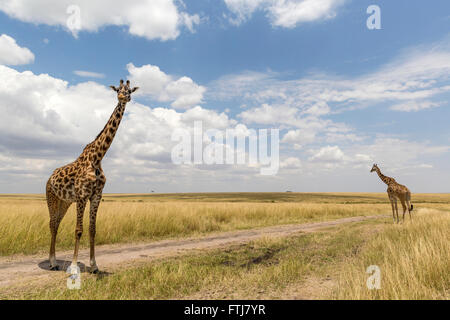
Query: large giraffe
(83,180)
(396,191)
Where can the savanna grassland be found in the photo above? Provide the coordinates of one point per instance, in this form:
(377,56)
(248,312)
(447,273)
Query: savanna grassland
(414,257)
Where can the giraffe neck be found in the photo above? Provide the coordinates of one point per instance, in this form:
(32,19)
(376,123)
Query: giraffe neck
(101,144)
(385,179)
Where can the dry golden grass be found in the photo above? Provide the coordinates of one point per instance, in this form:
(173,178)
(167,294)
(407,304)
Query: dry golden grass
(414,260)
(413,257)
(135,218)
(25,224)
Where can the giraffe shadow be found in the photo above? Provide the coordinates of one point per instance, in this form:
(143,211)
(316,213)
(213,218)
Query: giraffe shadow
(63,265)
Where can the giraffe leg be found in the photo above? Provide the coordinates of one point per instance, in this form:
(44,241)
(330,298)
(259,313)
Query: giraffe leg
(393,209)
(396,210)
(409,212)
(408,203)
(81,205)
(52,203)
(392,200)
(404,209)
(95,203)
(62,210)
(57,209)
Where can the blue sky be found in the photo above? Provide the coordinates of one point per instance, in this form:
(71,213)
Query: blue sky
(338,91)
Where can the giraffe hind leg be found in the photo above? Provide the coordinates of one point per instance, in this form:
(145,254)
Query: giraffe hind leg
(404,209)
(57,209)
(396,211)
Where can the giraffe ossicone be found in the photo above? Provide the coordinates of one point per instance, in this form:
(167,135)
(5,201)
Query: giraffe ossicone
(83,180)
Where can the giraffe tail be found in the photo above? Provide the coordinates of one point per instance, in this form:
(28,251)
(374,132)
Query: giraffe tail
(410,205)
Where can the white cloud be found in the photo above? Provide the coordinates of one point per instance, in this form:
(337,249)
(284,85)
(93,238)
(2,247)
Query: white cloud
(304,106)
(284,13)
(243,9)
(410,106)
(333,137)
(46,111)
(413,76)
(288,14)
(154,83)
(152,19)
(210,118)
(331,154)
(299,137)
(363,159)
(89,74)
(398,154)
(267,114)
(46,123)
(12,54)
(291,163)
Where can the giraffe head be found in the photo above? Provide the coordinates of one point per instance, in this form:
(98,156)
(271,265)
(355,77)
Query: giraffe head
(374,168)
(124,91)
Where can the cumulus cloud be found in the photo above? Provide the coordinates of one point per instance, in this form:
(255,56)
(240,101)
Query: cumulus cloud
(328,154)
(291,163)
(398,154)
(46,123)
(284,13)
(46,113)
(12,54)
(155,84)
(299,138)
(152,19)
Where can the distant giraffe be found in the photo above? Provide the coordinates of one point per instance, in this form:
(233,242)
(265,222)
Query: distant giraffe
(82,181)
(396,191)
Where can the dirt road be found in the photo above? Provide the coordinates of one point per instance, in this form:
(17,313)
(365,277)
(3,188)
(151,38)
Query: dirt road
(32,268)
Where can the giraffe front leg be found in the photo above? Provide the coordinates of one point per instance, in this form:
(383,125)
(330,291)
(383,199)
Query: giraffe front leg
(393,210)
(396,210)
(81,206)
(393,203)
(95,203)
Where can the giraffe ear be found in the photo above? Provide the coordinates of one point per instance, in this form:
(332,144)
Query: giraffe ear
(114,88)
(134,89)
